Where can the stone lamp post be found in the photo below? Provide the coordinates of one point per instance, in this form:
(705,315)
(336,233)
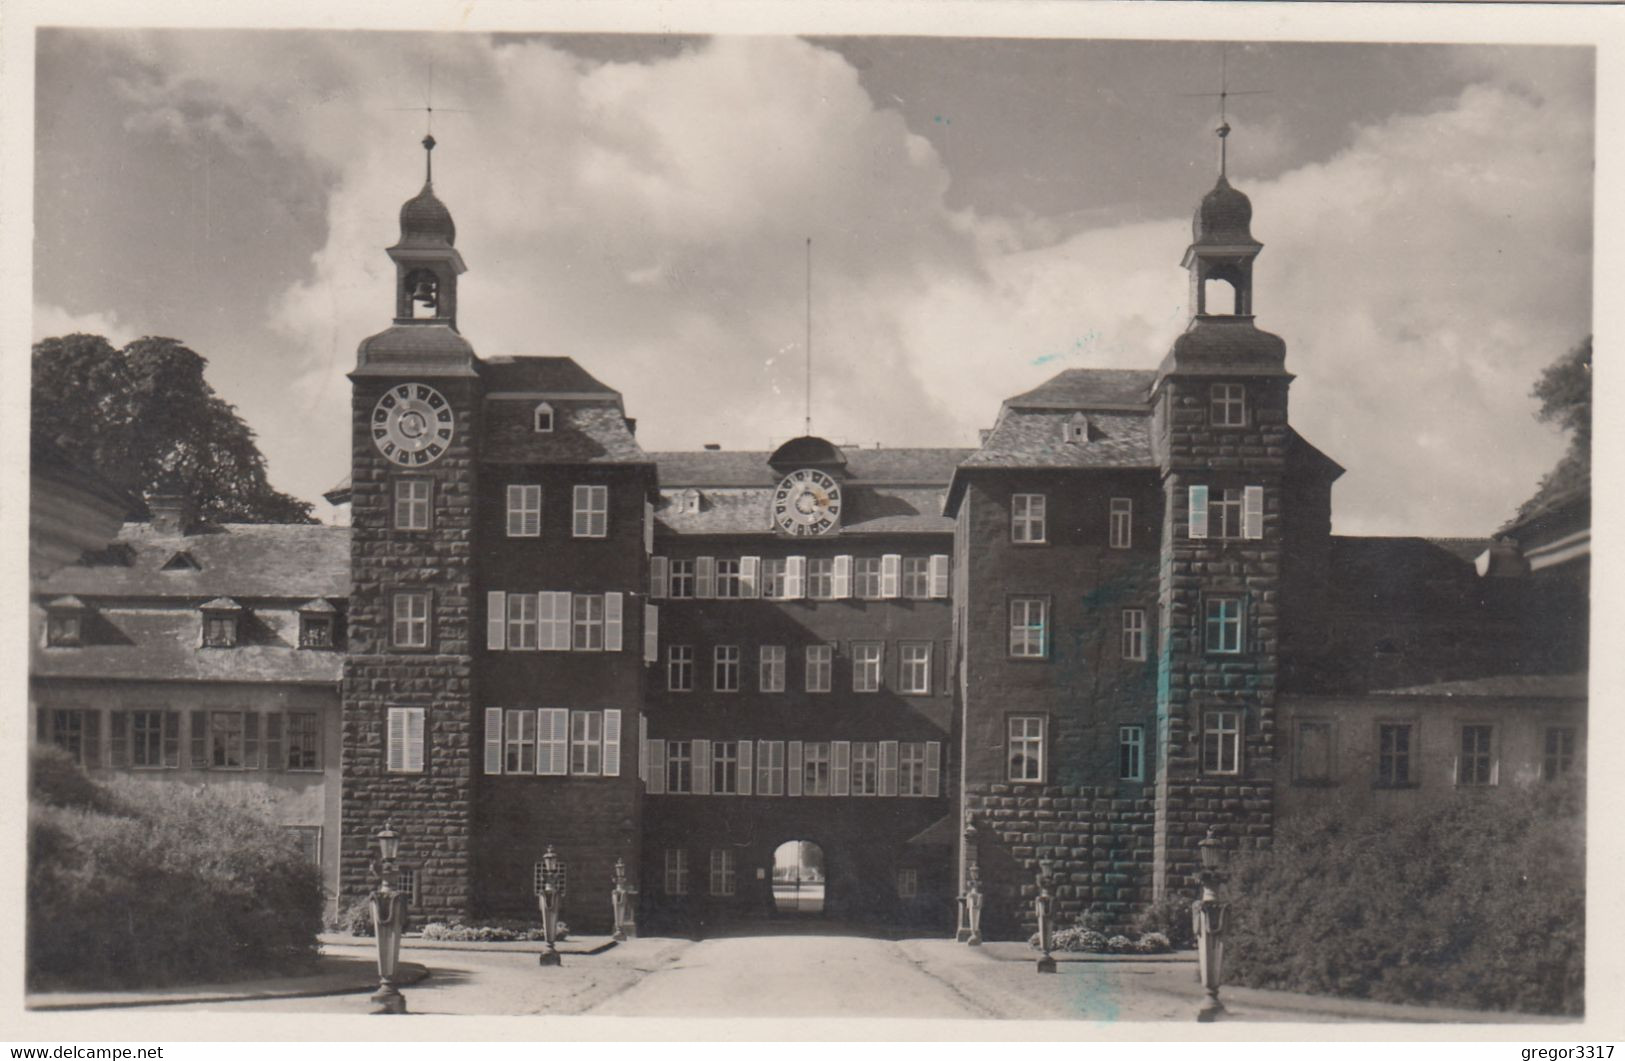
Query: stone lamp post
(621,900)
(388,922)
(1209,915)
(550,897)
(973,905)
(962,933)
(1043,906)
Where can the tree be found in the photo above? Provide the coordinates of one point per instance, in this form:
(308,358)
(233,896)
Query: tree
(1564,392)
(146,419)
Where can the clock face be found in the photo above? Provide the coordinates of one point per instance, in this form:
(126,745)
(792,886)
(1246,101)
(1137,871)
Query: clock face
(807,502)
(412,424)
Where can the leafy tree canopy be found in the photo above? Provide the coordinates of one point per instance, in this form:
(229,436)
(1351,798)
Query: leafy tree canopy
(1564,391)
(146,419)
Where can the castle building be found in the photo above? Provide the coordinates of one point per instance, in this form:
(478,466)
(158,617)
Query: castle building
(829,679)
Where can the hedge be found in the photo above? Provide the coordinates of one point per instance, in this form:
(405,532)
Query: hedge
(140,883)
(1476,901)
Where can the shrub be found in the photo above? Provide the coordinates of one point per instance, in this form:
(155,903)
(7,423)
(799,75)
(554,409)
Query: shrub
(1153,943)
(355,917)
(1120,945)
(491,932)
(1077,939)
(159,883)
(1477,901)
(1169,917)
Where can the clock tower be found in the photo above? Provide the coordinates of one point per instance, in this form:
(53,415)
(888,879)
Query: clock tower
(408,712)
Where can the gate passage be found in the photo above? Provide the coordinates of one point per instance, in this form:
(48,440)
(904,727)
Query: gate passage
(798,878)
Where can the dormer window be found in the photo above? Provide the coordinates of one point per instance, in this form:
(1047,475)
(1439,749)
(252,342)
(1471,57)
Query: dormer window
(182,561)
(1076,430)
(318,622)
(688,502)
(544,418)
(65,622)
(220,622)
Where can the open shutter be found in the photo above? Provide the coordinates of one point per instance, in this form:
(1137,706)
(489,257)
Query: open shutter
(745,771)
(840,768)
(251,742)
(546,603)
(496,614)
(659,577)
(613,639)
(705,577)
(702,768)
(750,576)
(939,575)
(396,758)
(888,768)
(651,634)
(119,739)
(795,577)
(657,767)
(792,769)
(533,512)
(612,742)
(843,578)
(1252,512)
(891,576)
(414,739)
(643,747)
(1198,513)
(933,768)
(200,740)
(274,759)
(493,740)
(172,739)
(648,528)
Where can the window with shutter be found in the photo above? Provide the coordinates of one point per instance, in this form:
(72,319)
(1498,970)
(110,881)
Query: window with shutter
(750,573)
(496,626)
(613,639)
(843,578)
(405,740)
(795,578)
(1252,519)
(651,634)
(586,743)
(524,510)
(792,768)
(939,575)
(590,518)
(891,576)
(840,774)
(705,577)
(656,756)
(522,621)
(747,772)
(702,775)
(519,742)
(552,741)
(612,742)
(493,740)
(658,576)
(888,768)
(648,528)
(933,768)
(1197,524)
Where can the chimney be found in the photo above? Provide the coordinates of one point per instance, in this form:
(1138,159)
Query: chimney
(171,513)
(713,446)
(982,433)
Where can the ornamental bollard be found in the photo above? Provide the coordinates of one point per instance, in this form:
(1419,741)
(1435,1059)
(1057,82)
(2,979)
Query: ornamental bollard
(1209,916)
(962,933)
(388,923)
(550,897)
(621,899)
(973,906)
(1043,904)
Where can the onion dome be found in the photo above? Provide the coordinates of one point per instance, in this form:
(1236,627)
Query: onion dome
(1225,216)
(425,220)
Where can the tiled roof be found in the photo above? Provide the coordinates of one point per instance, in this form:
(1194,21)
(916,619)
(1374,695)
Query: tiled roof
(750,468)
(1027,438)
(1220,346)
(240,560)
(1534,686)
(422,349)
(864,510)
(548,375)
(584,432)
(1085,388)
(163,645)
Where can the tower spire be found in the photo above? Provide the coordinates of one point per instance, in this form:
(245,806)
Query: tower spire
(428,158)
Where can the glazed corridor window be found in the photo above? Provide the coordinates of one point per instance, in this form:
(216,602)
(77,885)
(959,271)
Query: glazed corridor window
(727,578)
(773,582)
(1134,633)
(725,669)
(914,667)
(404,753)
(1477,763)
(866,578)
(722,871)
(866,659)
(911,769)
(1559,757)
(1131,753)
(303,739)
(590,512)
(917,577)
(724,767)
(815,768)
(411,625)
(865,768)
(682,578)
(1221,742)
(819,666)
(1026,748)
(412,503)
(1222,625)
(1027,518)
(519,742)
(680,668)
(1226,513)
(524,511)
(522,620)
(1394,753)
(1228,405)
(588,739)
(1029,627)
(676,871)
(771,677)
(679,766)
(148,732)
(589,622)
(820,577)
(1122,522)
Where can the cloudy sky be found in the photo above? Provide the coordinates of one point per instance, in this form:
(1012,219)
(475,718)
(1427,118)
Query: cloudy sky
(985,213)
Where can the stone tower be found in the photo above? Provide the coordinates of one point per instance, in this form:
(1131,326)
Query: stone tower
(408,711)
(1220,432)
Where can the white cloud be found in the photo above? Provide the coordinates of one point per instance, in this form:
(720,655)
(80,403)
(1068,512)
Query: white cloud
(649,219)
(51,321)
